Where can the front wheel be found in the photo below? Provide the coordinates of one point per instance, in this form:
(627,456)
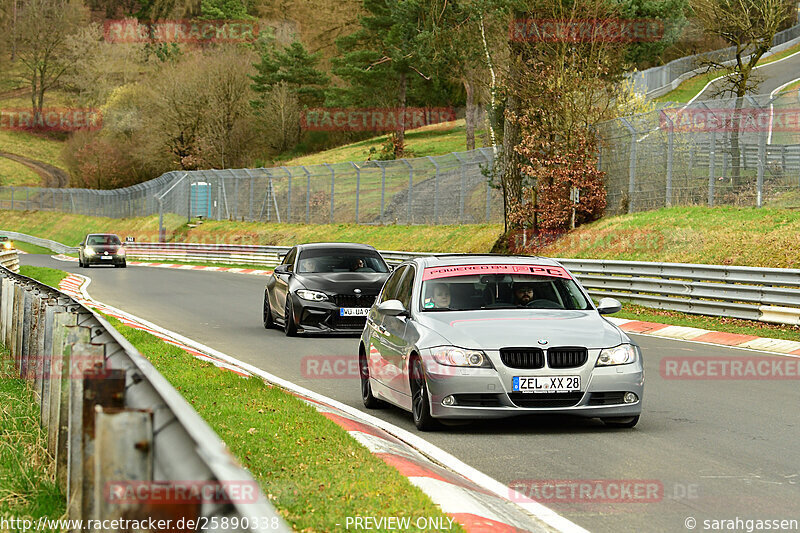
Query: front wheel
(289,327)
(420,401)
(621,422)
(267,318)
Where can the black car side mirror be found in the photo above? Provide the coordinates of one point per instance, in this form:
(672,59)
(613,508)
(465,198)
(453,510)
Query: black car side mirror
(282,269)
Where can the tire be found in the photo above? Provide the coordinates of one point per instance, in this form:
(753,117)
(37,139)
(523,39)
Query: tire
(621,422)
(289,327)
(80,263)
(420,401)
(370,401)
(267,315)
(121,265)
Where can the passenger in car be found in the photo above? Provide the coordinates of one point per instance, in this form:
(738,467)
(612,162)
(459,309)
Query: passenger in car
(441,295)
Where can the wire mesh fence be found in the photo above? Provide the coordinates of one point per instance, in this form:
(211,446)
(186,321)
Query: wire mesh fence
(743,152)
(456,188)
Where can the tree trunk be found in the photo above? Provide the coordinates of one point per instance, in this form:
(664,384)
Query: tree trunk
(400,144)
(470,113)
(736,178)
(512,174)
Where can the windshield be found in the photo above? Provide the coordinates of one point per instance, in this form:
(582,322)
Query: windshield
(459,288)
(101,240)
(341,260)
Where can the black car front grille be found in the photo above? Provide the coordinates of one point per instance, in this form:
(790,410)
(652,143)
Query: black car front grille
(522,357)
(478,400)
(347,322)
(606,398)
(567,357)
(544,400)
(354,300)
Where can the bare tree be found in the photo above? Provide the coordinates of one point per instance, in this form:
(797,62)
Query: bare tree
(42,29)
(749,26)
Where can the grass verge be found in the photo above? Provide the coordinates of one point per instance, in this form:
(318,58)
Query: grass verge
(312,470)
(31,248)
(27,473)
(48,276)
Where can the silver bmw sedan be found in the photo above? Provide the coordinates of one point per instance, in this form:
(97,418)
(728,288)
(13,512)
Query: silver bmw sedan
(465,337)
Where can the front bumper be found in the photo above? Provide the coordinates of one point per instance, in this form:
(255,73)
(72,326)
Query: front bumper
(481,393)
(323,317)
(98,259)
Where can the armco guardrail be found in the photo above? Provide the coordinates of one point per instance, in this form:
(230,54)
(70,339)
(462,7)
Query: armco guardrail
(44,243)
(126,444)
(752,293)
(10,260)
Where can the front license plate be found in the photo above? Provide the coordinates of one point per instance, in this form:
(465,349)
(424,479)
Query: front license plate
(546,384)
(354,311)
(106,257)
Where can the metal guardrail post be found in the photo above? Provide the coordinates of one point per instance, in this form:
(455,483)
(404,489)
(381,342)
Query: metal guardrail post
(462,192)
(333,186)
(308,193)
(670,155)
(77,337)
(490,162)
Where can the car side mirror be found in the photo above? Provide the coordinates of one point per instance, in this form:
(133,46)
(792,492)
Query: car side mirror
(608,306)
(393,308)
(282,269)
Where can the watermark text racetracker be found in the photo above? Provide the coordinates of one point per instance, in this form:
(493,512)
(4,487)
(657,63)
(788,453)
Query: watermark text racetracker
(60,119)
(731,368)
(202,523)
(373,119)
(180,31)
(603,491)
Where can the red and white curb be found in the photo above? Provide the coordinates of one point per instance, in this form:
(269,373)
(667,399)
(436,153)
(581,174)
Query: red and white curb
(478,502)
(253,271)
(734,340)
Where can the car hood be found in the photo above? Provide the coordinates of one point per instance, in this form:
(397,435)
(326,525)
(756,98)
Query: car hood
(495,329)
(100,248)
(344,282)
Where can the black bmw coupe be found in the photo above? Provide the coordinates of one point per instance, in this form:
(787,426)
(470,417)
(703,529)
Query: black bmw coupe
(324,288)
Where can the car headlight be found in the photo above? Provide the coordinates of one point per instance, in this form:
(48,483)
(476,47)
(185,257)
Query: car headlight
(453,356)
(88,252)
(121,251)
(7,245)
(618,355)
(314,296)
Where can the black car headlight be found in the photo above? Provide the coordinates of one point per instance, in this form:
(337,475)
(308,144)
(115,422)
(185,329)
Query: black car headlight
(454,356)
(313,296)
(618,355)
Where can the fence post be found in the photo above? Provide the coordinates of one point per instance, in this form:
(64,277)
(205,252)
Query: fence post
(762,156)
(358,185)
(435,191)
(670,148)
(288,196)
(490,164)
(333,185)
(409,216)
(631,165)
(463,187)
(383,187)
(308,193)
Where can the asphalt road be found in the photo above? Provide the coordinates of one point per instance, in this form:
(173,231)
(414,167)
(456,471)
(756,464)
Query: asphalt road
(771,76)
(721,449)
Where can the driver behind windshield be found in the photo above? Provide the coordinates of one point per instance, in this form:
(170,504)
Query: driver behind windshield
(523,294)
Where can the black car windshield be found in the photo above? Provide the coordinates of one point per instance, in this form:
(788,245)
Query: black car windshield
(458,288)
(103,240)
(340,260)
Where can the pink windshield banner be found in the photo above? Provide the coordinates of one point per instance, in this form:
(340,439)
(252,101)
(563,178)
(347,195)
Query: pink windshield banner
(471,270)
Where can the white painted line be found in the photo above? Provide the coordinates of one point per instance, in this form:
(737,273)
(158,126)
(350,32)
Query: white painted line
(771,96)
(545,514)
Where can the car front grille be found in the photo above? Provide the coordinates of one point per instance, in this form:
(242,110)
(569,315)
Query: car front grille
(348,322)
(544,400)
(354,300)
(522,357)
(567,357)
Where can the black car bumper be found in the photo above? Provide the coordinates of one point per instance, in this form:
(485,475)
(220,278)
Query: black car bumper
(325,317)
(98,260)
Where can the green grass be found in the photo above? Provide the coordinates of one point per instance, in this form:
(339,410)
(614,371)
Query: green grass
(689,88)
(312,470)
(16,174)
(436,139)
(27,473)
(33,146)
(765,237)
(728,325)
(48,276)
(70,229)
(31,248)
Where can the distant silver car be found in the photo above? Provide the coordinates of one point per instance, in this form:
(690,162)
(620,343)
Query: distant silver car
(464,336)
